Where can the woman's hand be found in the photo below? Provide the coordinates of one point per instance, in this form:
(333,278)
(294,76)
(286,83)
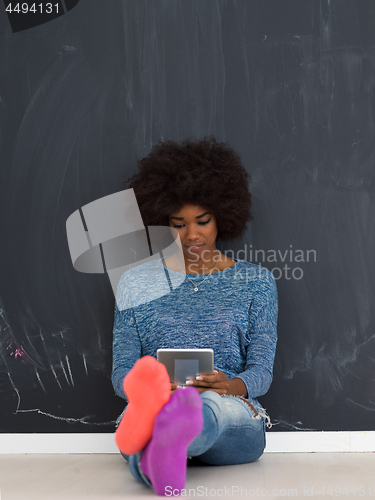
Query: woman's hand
(218,382)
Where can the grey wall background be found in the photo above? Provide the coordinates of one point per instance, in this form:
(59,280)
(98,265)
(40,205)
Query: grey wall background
(290,85)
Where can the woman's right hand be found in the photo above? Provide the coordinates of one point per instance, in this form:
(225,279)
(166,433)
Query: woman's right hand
(217,382)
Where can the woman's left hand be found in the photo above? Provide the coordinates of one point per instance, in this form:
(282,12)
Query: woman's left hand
(218,382)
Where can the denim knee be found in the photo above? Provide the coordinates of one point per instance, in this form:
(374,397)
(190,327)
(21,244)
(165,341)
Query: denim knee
(212,400)
(212,420)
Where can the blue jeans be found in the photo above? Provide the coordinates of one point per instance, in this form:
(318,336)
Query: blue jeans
(233,433)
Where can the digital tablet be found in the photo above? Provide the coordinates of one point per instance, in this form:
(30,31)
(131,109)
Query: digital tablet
(182,364)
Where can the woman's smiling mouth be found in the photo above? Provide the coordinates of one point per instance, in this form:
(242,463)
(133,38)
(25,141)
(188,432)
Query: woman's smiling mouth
(195,247)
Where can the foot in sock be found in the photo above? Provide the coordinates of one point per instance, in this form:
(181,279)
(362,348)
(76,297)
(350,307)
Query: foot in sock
(164,459)
(147,388)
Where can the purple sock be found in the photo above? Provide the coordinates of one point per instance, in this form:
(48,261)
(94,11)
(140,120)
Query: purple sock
(164,459)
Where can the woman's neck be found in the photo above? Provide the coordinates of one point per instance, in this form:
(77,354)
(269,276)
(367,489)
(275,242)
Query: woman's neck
(208,263)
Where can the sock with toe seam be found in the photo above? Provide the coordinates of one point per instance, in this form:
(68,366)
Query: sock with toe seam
(164,460)
(147,388)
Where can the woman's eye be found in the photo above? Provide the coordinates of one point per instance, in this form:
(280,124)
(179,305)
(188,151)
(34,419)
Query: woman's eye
(203,223)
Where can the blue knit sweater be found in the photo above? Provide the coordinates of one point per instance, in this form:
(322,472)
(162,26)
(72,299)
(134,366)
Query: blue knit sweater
(234,312)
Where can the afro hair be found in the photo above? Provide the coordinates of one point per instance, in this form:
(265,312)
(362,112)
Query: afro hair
(201,172)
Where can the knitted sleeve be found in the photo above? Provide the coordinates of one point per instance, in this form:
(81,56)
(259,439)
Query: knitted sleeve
(126,348)
(258,372)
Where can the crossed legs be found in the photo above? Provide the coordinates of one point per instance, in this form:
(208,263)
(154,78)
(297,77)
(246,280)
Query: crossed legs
(221,430)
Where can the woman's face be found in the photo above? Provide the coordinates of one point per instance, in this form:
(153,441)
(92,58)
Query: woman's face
(197,229)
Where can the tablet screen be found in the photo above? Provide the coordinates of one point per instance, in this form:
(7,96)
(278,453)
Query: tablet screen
(184,369)
(183,364)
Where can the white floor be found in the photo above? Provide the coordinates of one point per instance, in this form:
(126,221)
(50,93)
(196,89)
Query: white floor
(107,477)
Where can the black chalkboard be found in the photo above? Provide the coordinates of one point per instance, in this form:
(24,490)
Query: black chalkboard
(290,85)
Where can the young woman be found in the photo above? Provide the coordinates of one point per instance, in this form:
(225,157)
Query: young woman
(200,188)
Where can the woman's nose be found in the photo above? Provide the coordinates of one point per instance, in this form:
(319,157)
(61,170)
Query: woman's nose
(192,232)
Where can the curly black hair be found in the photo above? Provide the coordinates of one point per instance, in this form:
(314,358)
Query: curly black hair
(200,172)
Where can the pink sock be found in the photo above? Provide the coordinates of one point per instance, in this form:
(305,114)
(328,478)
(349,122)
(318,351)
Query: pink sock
(164,460)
